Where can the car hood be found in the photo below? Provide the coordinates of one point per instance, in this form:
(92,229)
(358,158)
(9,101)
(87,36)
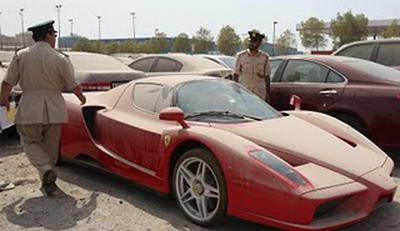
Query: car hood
(293,138)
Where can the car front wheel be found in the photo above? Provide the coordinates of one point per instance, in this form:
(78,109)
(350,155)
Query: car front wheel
(199,187)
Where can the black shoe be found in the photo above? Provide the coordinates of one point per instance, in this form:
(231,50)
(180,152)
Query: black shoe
(49,183)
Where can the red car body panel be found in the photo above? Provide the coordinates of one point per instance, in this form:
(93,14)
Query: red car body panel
(131,143)
(370,99)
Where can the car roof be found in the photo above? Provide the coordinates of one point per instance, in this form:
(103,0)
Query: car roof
(84,61)
(191,63)
(173,80)
(388,40)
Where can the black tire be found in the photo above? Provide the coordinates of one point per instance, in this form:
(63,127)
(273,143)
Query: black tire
(353,122)
(210,160)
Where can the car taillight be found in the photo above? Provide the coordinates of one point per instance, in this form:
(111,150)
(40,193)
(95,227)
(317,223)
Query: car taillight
(96,86)
(398,96)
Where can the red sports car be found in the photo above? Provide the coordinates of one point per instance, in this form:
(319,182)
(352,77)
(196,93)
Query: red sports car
(363,94)
(220,150)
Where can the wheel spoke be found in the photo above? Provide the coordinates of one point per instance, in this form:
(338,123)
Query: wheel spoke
(187,175)
(201,170)
(202,207)
(211,191)
(187,199)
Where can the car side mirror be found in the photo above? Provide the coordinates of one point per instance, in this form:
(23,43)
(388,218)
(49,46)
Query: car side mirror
(173,114)
(296,102)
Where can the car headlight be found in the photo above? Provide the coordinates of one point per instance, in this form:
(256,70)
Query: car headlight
(278,166)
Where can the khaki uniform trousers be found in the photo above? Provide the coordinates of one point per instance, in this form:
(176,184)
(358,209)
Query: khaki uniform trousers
(41,144)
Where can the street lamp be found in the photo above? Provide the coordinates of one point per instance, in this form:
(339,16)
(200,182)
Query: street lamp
(133,24)
(71,21)
(21,13)
(1,38)
(99,21)
(58,7)
(273,39)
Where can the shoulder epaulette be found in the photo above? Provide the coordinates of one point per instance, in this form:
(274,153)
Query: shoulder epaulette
(62,53)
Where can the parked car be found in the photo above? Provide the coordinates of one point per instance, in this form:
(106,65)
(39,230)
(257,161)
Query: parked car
(383,51)
(224,60)
(127,58)
(364,94)
(172,64)
(98,72)
(221,150)
(6,57)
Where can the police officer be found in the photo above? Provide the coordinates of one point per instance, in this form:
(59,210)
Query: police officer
(42,73)
(252,67)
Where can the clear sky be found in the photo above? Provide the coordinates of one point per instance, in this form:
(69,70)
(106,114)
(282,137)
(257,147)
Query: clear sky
(176,16)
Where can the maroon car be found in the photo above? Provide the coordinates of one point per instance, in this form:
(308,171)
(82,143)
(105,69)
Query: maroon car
(364,94)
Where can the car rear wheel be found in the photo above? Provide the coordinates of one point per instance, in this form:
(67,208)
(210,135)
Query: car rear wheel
(353,122)
(199,187)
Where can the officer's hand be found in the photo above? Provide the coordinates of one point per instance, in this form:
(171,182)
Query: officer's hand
(5,102)
(82,98)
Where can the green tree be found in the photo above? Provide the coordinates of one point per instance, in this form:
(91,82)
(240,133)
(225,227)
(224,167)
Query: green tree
(83,44)
(311,33)
(348,28)
(159,43)
(203,41)
(392,31)
(285,42)
(228,41)
(98,47)
(112,47)
(182,44)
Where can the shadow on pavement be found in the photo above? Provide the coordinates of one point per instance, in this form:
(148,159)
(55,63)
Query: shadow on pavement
(58,213)
(162,207)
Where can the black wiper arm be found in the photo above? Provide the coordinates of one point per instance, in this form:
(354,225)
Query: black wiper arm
(222,113)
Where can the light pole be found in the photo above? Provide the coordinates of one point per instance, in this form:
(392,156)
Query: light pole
(58,7)
(71,21)
(1,37)
(21,12)
(273,39)
(99,21)
(133,24)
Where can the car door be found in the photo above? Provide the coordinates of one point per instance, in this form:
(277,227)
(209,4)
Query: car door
(318,86)
(133,130)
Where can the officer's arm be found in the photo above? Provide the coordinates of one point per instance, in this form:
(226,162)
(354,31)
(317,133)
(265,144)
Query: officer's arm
(69,76)
(267,81)
(238,69)
(78,92)
(5,93)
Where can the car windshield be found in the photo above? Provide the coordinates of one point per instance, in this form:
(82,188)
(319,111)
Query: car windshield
(375,69)
(230,61)
(221,101)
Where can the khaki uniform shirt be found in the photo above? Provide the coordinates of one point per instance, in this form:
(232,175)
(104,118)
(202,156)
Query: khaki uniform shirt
(42,73)
(252,70)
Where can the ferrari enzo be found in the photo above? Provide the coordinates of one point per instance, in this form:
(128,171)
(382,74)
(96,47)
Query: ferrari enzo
(221,150)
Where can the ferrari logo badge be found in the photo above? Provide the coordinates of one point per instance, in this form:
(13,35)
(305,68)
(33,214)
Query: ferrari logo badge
(167,140)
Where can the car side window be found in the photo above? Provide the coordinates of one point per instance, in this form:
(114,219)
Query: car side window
(165,99)
(304,71)
(142,65)
(166,65)
(389,54)
(145,95)
(273,67)
(363,51)
(334,78)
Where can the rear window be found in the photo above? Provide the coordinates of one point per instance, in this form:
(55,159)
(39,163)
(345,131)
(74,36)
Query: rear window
(375,69)
(389,54)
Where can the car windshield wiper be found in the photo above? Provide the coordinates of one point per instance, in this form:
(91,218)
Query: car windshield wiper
(222,113)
